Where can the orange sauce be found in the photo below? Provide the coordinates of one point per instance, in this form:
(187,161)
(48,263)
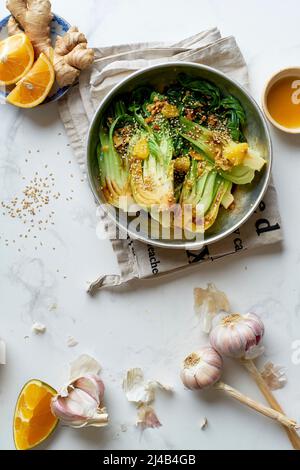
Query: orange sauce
(283,102)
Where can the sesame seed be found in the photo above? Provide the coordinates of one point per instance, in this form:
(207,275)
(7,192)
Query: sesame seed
(36,198)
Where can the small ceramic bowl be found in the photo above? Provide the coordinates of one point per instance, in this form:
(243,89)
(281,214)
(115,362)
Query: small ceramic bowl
(59,27)
(287,72)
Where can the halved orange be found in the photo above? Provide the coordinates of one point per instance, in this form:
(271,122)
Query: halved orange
(33,419)
(35,86)
(16,58)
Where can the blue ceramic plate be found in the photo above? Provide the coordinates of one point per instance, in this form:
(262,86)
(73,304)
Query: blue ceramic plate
(59,27)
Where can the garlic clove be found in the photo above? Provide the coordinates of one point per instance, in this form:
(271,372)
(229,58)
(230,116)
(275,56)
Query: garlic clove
(204,377)
(92,385)
(79,409)
(189,380)
(256,324)
(66,410)
(79,403)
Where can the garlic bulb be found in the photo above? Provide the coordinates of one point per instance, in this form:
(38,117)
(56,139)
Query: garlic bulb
(202,369)
(238,335)
(80,402)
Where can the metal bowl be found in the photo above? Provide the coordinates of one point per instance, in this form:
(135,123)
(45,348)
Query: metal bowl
(247,197)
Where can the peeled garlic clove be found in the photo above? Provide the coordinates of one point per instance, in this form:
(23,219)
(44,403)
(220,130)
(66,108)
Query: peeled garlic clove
(202,368)
(236,335)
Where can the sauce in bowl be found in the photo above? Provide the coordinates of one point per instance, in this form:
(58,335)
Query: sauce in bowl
(281,101)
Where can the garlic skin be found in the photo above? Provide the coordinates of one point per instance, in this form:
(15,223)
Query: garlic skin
(147,418)
(139,391)
(80,402)
(238,335)
(208,303)
(274,375)
(142,393)
(201,369)
(38,328)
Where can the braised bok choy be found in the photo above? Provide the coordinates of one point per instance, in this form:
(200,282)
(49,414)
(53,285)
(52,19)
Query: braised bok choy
(184,146)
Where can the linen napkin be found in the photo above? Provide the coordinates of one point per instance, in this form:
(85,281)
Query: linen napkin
(138,260)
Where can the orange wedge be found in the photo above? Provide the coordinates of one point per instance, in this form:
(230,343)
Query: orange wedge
(16,58)
(33,419)
(35,86)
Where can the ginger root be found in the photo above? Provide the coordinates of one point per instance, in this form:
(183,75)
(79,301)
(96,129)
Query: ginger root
(13,27)
(34,17)
(71,55)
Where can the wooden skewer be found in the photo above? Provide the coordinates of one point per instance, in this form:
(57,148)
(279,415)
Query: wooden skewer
(265,410)
(254,372)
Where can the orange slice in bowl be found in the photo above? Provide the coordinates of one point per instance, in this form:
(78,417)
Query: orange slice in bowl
(16,58)
(33,419)
(35,86)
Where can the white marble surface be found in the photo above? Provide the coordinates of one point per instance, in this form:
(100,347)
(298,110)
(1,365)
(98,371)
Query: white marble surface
(153,325)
